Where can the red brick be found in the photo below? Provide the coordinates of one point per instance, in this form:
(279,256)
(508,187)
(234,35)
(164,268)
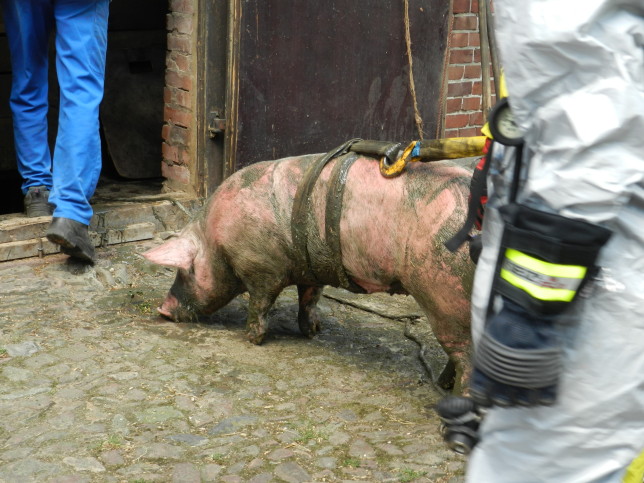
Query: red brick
(459,39)
(465,22)
(459,89)
(452,133)
(178,136)
(165,132)
(461,6)
(477,88)
(179,22)
(461,56)
(455,72)
(183,6)
(185,24)
(174,154)
(175,116)
(477,56)
(456,120)
(183,98)
(474,40)
(453,105)
(181,174)
(179,80)
(476,119)
(178,61)
(170,153)
(176,97)
(180,43)
(469,132)
(472,71)
(471,103)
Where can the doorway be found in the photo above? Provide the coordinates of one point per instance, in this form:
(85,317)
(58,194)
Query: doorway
(131,112)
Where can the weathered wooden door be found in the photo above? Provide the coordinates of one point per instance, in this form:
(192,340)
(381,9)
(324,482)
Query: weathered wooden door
(305,77)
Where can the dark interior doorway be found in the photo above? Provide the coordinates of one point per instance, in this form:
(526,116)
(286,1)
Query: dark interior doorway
(132,108)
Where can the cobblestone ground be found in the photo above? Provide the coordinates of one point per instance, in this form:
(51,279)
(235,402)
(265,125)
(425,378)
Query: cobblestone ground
(95,387)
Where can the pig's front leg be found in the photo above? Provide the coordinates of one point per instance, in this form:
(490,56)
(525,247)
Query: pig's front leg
(258,306)
(307,317)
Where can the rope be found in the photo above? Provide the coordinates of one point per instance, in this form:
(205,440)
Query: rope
(422,358)
(442,97)
(412,85)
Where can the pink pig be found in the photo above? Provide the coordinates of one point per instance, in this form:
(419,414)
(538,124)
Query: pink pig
(391,234)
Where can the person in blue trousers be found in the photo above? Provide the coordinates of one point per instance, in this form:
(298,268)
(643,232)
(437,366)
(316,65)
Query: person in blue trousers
(60,185)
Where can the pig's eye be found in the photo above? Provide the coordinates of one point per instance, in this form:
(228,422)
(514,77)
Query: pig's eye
(191,270)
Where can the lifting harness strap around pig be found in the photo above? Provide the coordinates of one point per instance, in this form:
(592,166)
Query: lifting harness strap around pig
(384,152)
(302,204)
(302,208)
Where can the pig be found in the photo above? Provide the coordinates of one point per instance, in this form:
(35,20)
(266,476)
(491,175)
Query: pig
(390,235)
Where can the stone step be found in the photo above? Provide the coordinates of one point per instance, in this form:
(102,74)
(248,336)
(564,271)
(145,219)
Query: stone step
(114,222)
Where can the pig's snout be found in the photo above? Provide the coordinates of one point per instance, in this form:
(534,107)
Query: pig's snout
(176,310)
(169,306)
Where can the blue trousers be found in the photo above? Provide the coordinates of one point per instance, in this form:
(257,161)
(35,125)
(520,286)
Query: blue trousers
(81,43)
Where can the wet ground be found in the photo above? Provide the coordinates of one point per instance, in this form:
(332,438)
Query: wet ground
(95,387)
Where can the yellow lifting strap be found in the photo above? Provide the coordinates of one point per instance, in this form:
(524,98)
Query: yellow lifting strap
(635,471)
(503,92)
(433,150)
(437,149)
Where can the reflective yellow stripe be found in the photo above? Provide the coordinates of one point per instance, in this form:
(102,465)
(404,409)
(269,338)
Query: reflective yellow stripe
(541,293)
(542,280)
(545,268)
(635,472)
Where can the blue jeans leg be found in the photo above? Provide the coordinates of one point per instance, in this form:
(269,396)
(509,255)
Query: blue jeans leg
(29,24)
(81,45)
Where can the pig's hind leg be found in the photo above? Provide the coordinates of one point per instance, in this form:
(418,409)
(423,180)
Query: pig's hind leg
(450,324)
(307,316)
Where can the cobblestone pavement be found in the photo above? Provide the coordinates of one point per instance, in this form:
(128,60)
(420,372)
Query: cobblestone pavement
(95,387)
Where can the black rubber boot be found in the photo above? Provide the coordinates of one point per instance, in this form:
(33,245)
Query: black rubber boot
(73,238)
(37,202)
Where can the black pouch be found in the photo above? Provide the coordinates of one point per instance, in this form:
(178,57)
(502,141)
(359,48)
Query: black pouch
(545,258)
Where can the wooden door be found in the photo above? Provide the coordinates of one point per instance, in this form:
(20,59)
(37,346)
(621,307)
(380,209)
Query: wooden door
(304,77)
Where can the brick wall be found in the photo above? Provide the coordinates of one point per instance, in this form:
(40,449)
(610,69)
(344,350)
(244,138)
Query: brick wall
(179,137)
(463,111)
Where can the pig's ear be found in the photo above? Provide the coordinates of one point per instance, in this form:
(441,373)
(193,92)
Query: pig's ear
(176,252)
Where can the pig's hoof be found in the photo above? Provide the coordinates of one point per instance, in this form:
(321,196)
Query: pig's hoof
(255,338)
(447,379)
(313,330)
(309,326)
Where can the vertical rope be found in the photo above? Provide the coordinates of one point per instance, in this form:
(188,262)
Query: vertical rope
(494,52)
(486,96)
(412,85)
(442,97)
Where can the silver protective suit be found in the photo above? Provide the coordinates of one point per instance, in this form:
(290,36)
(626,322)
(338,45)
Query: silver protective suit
(575,77)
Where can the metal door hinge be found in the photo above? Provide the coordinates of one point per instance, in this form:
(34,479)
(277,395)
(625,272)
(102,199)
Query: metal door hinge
(216,124)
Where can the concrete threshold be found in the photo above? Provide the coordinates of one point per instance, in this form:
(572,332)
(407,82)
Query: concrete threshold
(123,212)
